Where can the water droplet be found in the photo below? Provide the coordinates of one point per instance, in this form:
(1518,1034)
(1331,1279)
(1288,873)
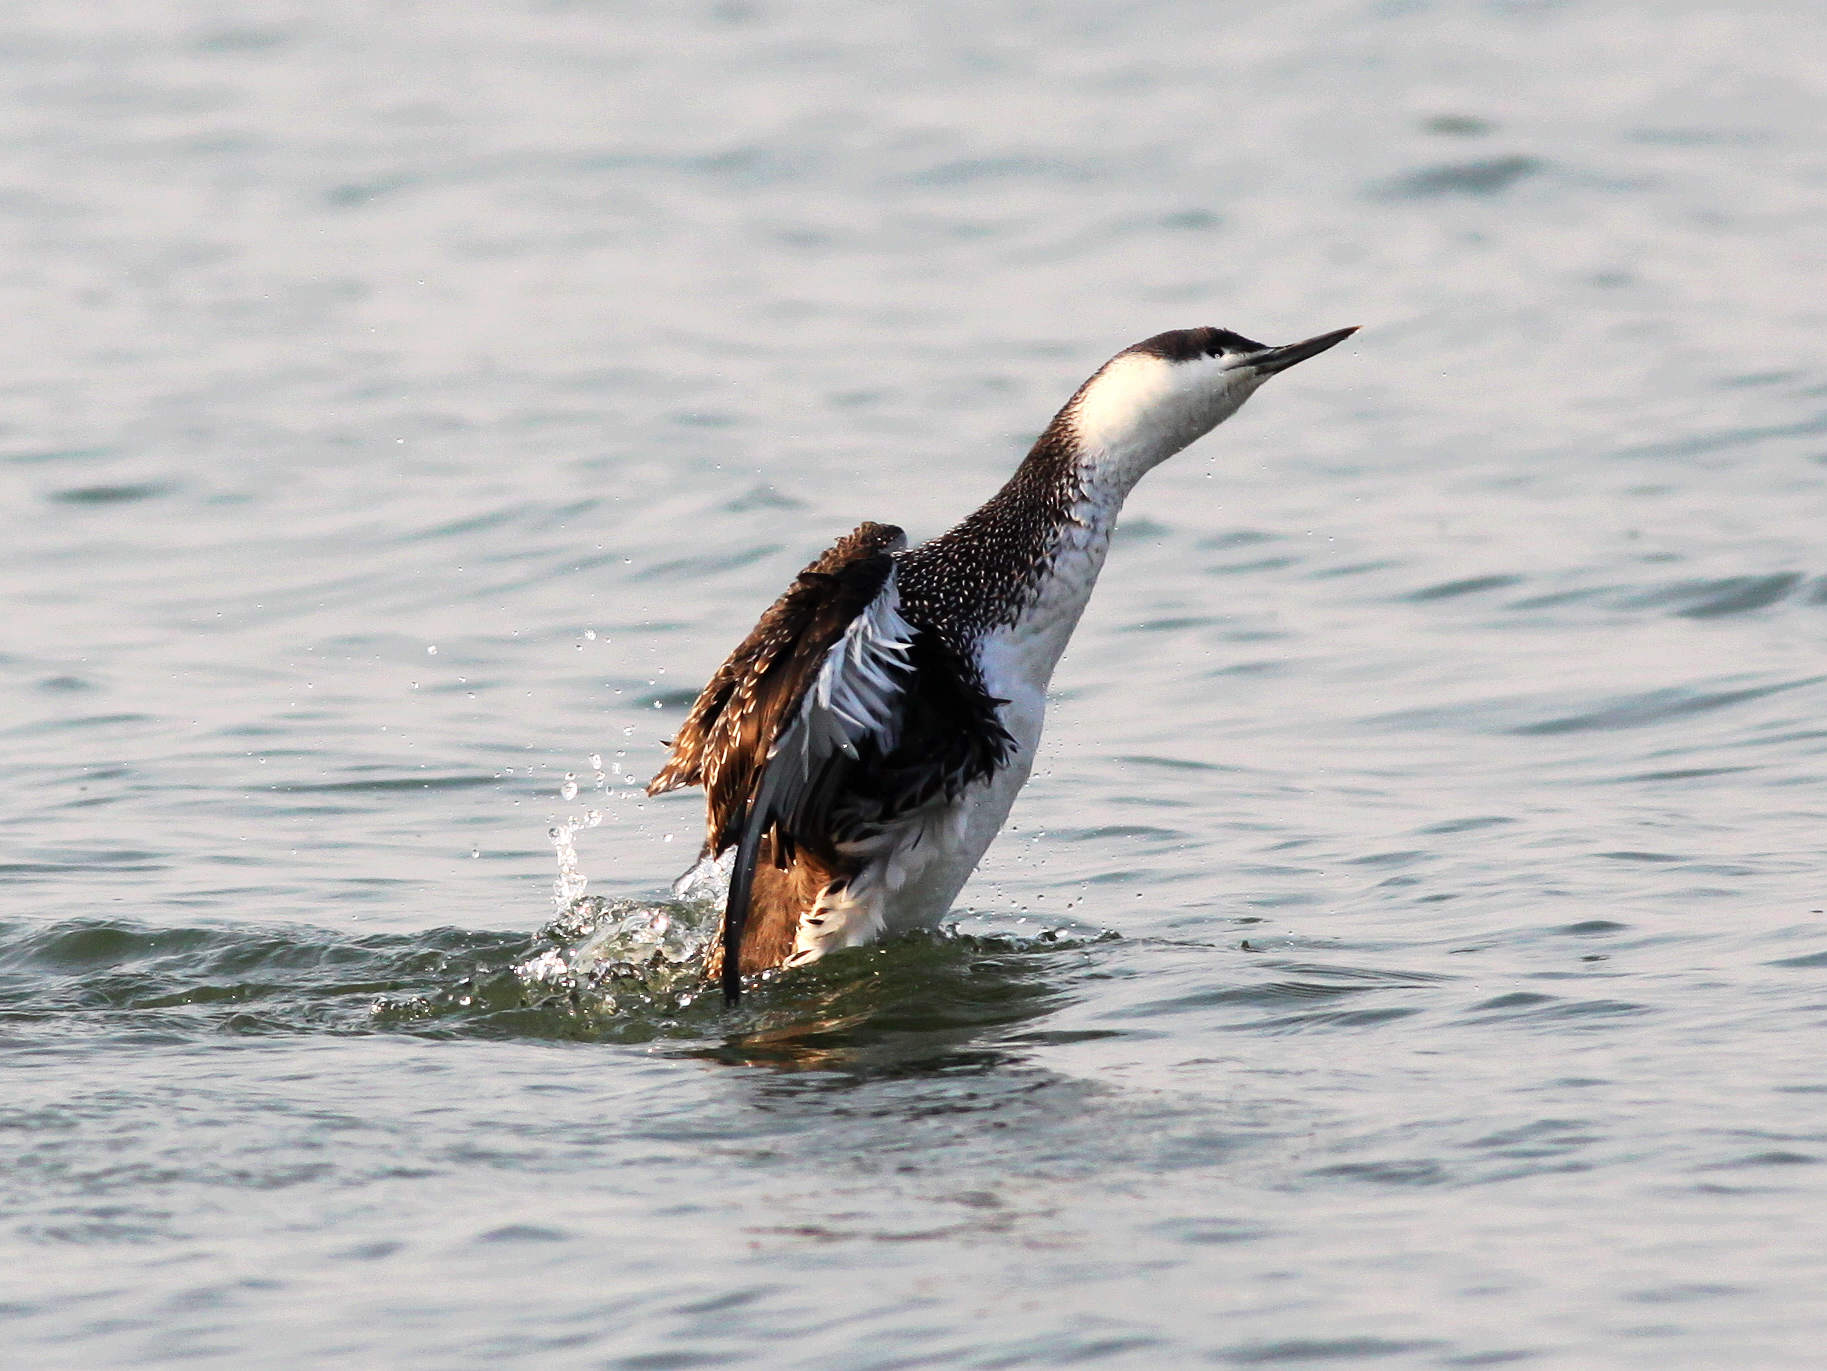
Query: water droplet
(628,732)
(596,761)
(475,852)
(590,633)
(569,789)
(432,649)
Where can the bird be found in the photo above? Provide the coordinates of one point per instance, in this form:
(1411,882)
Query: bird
(862,746)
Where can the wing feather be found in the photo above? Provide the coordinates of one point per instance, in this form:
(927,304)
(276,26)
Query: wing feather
(739,716)
(850,708)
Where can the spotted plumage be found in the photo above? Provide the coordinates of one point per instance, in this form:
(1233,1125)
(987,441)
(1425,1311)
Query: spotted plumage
(861,747)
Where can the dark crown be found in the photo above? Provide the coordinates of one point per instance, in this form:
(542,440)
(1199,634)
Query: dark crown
(1190,344)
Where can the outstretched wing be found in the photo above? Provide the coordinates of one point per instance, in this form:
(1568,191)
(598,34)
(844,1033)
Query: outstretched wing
(740,715)
(834,716)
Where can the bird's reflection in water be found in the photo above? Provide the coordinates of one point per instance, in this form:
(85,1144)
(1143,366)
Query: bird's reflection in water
(922,1005)
(634,973)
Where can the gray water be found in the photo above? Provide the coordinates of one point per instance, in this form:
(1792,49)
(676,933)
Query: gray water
(1411,948)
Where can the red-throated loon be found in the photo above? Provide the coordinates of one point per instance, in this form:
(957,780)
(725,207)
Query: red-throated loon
(863,745)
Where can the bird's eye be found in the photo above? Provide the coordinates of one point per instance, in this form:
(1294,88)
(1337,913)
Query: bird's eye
(1221,342)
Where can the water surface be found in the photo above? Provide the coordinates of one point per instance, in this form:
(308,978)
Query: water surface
(1411,949)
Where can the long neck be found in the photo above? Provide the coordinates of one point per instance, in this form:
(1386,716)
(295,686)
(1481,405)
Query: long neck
(1043,535)
(1024,565)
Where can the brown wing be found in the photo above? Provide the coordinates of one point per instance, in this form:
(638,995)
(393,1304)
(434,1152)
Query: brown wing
(725,741)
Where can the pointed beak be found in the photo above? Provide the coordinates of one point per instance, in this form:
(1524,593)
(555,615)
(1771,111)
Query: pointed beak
(1271,360)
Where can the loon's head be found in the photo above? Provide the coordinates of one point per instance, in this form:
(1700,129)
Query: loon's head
(1151,400)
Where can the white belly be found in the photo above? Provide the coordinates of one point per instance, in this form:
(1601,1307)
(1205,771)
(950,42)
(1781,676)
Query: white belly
(914,872)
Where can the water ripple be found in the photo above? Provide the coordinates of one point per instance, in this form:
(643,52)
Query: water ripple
(1660,707)
(1729,595)
(1484,176)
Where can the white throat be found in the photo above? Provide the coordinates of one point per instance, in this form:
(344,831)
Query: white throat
(1140,409)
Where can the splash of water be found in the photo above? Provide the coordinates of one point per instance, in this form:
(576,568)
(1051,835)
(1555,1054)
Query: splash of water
(611,951)
(569,888)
